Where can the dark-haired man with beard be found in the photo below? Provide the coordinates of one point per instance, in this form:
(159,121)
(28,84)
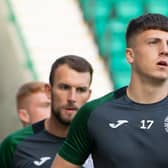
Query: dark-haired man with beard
(70,80)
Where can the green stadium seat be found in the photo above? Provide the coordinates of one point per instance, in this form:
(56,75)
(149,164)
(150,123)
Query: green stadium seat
(117,25)
(121,79)
(128,9)
(95,8)
(157,6)
(117,42)
(119,69)
(118,62)
(113,37)
(98,28)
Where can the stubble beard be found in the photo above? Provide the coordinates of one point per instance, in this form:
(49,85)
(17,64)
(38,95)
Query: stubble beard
(59,118)
(57,113)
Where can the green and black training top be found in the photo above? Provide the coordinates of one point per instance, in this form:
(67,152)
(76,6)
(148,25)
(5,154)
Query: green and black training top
(119,133)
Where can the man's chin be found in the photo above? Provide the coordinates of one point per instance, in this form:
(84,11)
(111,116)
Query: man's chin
(65,122)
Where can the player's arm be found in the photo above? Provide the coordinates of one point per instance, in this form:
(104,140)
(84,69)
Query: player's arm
(78,144)
(59,162)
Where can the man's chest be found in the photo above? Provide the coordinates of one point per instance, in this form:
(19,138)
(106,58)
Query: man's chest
(131,138)
(36,154)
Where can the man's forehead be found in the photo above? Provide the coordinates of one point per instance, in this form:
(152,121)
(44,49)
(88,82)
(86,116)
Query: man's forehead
(152,33)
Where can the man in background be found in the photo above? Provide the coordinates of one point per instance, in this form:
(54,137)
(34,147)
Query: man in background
(32,102)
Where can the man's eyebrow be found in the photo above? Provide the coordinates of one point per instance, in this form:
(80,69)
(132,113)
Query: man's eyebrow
(153,38)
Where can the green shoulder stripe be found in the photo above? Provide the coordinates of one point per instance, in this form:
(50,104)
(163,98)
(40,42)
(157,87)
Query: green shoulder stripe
(90,106)
(9,144)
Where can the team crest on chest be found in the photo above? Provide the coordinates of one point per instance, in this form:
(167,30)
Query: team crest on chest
(166,124)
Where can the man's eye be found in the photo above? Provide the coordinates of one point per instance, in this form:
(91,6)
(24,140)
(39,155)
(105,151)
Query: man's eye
(82,90)
(153,42)
(64,87)
(45,105)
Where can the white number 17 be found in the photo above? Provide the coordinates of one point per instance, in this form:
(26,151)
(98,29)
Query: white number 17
(146,124)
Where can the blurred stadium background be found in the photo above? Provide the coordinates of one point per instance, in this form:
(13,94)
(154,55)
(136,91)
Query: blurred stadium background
(33,33)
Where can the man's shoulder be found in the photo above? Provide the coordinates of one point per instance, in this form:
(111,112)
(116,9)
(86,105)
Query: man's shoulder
(11,142)
(16,137)
(91,106)
(9,145)
(106,98)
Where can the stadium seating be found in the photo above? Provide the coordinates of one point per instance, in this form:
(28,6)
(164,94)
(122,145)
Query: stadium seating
(160,6)
(108,20)
(128,9)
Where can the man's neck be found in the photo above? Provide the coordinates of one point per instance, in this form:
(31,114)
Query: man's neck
(146,93)
(54,127)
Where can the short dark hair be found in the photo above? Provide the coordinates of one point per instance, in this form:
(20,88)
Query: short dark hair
(77,63)
(146,22)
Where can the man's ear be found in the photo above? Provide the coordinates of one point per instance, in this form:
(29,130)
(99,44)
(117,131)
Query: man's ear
(48,90)
(24,117)
(130,55)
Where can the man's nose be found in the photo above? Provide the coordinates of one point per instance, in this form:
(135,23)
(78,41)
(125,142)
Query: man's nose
(164,48)
(72,95)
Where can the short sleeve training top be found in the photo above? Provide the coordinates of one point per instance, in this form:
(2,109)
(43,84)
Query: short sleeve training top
(119,133)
